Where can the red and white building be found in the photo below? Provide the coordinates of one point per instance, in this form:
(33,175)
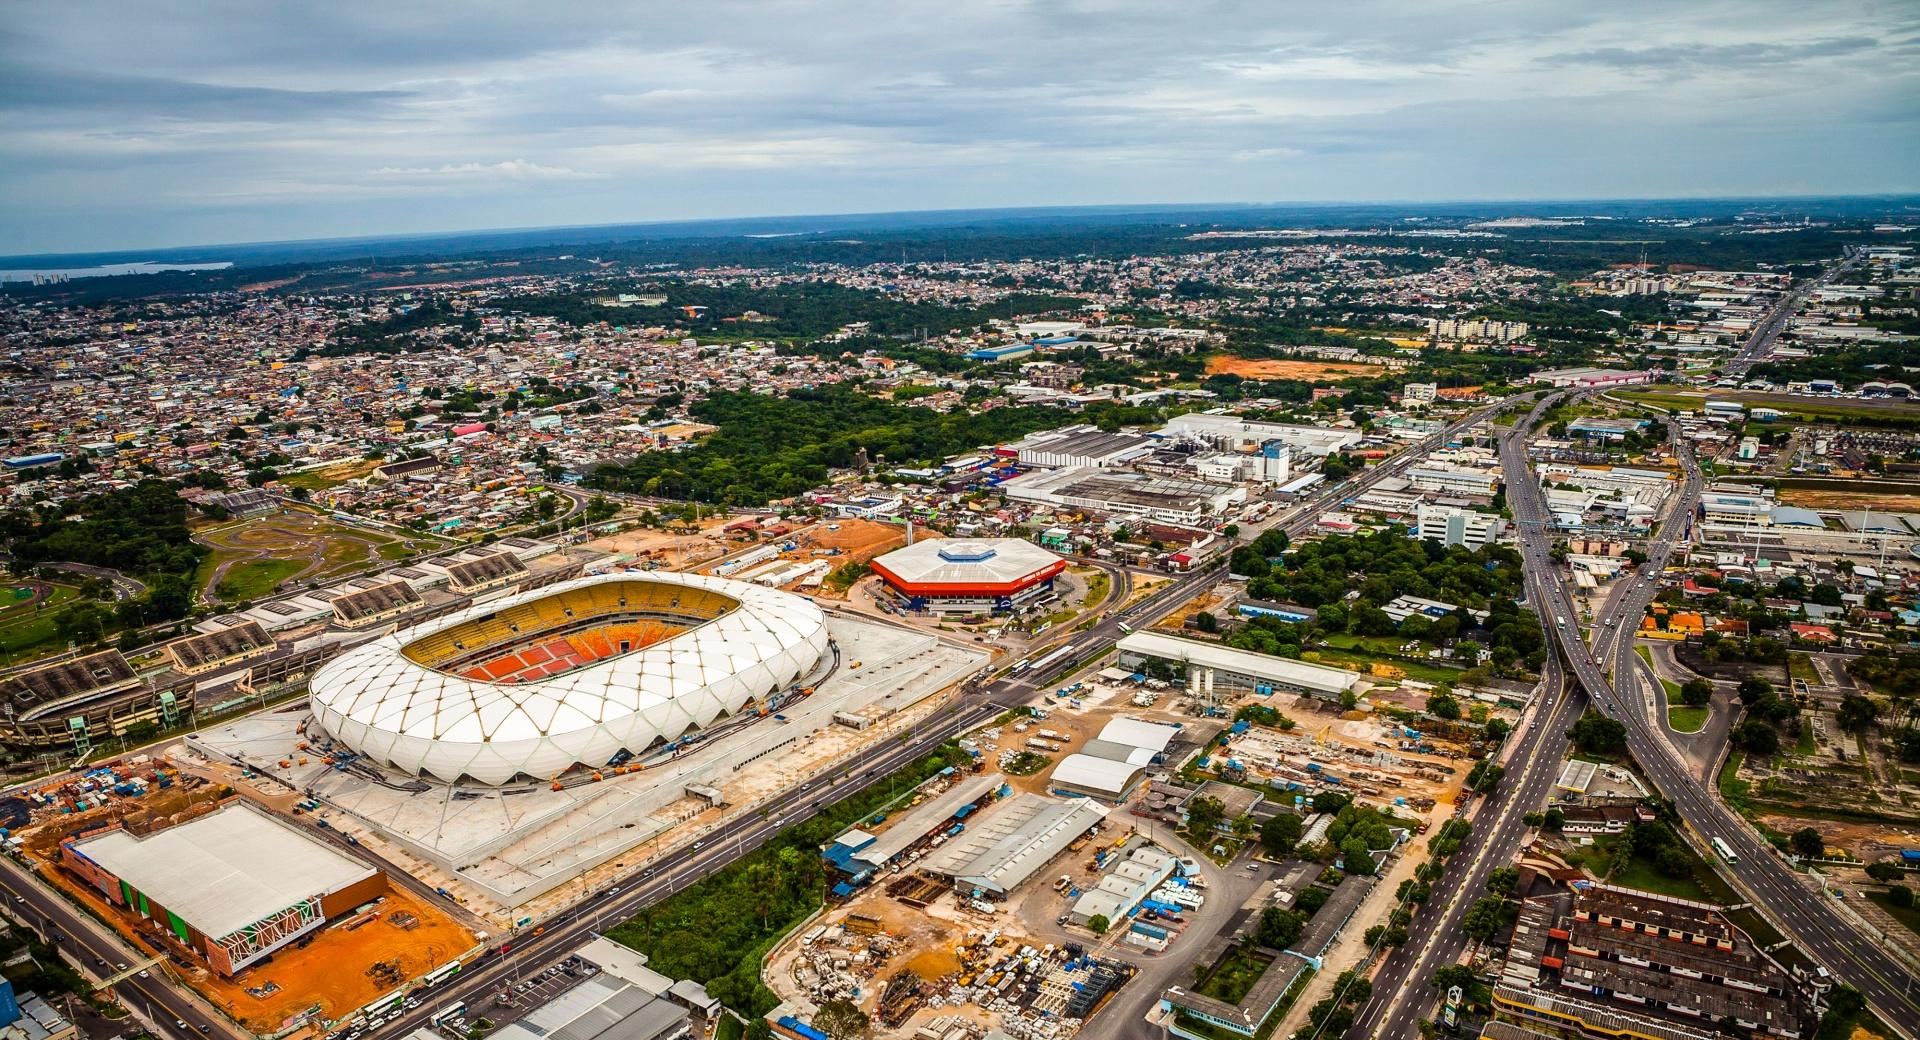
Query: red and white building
(969,575)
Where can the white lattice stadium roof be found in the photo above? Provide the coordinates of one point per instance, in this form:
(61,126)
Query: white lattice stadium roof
(423,721)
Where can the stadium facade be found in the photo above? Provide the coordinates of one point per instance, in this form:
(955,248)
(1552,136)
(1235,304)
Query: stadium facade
(567,675)
(969,575)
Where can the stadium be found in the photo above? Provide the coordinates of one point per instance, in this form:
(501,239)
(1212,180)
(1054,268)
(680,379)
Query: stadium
(532,685)
(969,575)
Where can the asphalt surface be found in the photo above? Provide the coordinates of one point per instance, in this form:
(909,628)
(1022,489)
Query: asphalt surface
(552,940)
(1759,871)
(98,954)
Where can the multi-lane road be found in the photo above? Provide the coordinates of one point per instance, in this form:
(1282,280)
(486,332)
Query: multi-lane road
(1801,912)
(529,953)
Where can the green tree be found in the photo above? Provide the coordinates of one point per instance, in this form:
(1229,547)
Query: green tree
(1204,815)
(1596,734)
(1281,833)
(1485,918)
(1885,870)
(1857,713)
(1442,705)
(1696,692)
(1098,924)
(1280,928)
(1807,843)
(1503,881)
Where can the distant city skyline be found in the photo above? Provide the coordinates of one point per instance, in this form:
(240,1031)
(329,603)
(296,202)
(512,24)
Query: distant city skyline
(131,126)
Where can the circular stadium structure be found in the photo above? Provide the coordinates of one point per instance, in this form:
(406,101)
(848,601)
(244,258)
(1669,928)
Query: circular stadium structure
(571,674)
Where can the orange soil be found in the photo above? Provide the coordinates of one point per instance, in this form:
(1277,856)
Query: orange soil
(1248,368)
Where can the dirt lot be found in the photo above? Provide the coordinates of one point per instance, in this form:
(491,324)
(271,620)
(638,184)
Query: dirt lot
(331,972)
(1247,368)
(1812,498)
(674,551)
(859,539)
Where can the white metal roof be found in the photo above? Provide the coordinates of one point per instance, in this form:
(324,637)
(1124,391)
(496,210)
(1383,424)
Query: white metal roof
(226,870)
(421,720)
(1087,773)
(1314,677)
(1140,733)
(964,560)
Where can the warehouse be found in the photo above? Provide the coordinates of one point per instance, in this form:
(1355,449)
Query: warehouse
(969,575)
(1125,493)
(859,854)
(1236,434)
(1210,662)
(1078,446)
(1093,776)
(1012,843)
(1121,890)
(232,886)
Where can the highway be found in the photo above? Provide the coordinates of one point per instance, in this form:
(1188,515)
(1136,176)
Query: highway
(1800,912)
(99,955)
(1782,311)
(681,866)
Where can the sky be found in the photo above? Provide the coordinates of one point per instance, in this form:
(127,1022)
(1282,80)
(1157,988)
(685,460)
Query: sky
(160,122)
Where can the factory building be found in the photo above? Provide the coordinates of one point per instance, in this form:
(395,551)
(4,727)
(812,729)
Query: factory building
(860,854)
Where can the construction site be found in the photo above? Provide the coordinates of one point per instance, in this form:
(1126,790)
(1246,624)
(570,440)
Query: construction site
(172,860)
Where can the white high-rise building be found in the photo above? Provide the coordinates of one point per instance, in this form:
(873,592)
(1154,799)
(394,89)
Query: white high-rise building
(1451,526)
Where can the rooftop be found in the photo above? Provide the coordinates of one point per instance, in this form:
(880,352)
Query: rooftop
(227,870)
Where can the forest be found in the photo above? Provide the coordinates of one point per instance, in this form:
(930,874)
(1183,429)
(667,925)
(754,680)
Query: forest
(139,531)
(772,447)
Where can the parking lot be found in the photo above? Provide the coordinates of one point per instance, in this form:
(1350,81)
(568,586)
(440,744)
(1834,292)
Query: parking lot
(517,996)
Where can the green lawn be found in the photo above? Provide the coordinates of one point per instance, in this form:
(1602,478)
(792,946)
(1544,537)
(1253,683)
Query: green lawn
(1800,666)
(1733,790)
(26,631)
(1687,719)
(1683,717)
(256,578)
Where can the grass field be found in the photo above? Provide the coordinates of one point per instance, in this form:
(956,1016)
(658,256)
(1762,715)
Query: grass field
(252,579)
(250,557)
(1685,718)
(26,628)
(1344,648)
(1800,666)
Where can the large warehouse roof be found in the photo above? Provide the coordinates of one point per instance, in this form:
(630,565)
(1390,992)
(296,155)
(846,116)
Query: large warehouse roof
(1014,840)
(1154,736)
(1283,670)
(1101,776)
(922,818)
(421,719)
(227,870)
(991,563)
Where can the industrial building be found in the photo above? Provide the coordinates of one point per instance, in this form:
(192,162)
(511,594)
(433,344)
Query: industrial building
(860,854)
(623,1000)
(1236,434)
(1208,663)
(1123,887)
(1450,525)
(1082,445)
(1454,480)
(1011,842)
(1109,765)
(1619,961)
(970,575)
(231,887)
(1122,493)
(1583,377)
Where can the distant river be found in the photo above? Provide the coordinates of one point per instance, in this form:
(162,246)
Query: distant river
(141,267)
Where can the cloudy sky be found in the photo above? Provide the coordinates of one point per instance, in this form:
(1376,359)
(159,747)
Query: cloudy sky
(160,122)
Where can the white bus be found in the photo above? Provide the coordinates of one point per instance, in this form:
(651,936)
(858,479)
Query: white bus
(451,1011)
(1725,850)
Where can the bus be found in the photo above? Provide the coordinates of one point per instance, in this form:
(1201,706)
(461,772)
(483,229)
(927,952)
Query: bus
(1124,627)
(448,1013)
(1725,850)
(1020,666)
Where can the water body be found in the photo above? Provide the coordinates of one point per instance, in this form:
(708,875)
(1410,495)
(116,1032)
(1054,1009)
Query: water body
(105,270)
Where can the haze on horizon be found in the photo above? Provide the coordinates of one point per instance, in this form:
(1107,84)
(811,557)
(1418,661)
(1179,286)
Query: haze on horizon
(139,125)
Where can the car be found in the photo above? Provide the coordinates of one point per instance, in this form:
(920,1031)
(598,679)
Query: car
(698,845)
(145,974)
(204,1029)
(614,891)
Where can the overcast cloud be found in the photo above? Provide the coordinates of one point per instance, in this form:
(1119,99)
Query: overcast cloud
(158,123)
